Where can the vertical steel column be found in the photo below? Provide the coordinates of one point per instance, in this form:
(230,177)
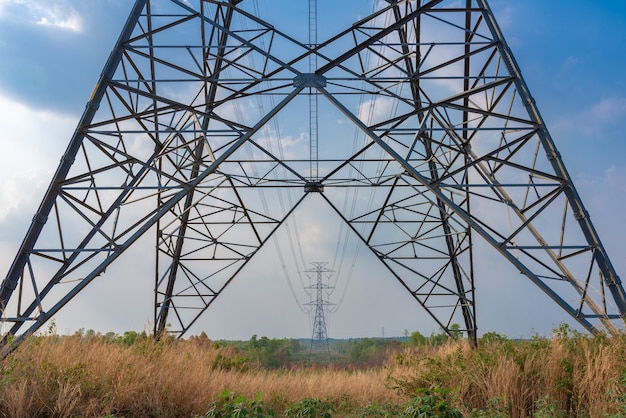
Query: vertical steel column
(467,303)
(163,311)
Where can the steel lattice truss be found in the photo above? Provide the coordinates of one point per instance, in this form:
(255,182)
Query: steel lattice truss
(181,137)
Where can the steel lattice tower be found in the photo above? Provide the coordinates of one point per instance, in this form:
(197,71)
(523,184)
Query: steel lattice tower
(175,142)
(321,304)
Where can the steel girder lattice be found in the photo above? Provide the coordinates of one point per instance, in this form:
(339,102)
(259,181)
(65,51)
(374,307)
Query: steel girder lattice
(181,136)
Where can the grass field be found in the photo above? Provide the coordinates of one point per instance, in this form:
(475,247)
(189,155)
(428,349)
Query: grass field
(568,375)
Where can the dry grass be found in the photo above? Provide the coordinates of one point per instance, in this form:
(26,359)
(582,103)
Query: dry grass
(573,376)
(567,376)
(90,377)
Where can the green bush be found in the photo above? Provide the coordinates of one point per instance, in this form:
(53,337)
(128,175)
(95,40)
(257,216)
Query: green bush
(230,405)
(310,408)
(432,402)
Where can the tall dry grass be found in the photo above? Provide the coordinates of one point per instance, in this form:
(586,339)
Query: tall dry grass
(570,375)
(74,376)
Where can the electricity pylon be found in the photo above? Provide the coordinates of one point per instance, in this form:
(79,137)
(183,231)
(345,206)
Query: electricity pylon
(179,140)
(321,305)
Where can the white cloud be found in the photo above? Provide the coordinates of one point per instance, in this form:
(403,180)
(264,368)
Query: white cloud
(72,23)
(605,192)
(593,121)
(375,110)
(609,110)
(570,62)
(58,14)
(32,142)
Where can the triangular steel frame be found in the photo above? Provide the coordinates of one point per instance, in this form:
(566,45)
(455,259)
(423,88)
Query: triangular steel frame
(174,139)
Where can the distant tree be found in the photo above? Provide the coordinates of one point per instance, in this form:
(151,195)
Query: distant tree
(294,346)
(253,342)
(492,337)
(371,351)
(455,331)
(438,339)
(417,339)
(110,336)
(131,337)
(272,353)
(342,346)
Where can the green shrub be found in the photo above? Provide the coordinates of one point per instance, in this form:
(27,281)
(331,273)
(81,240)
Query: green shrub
(310,408)
(230,405)
(432,402)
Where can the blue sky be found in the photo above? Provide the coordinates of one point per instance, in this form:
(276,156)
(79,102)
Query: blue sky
(571,55)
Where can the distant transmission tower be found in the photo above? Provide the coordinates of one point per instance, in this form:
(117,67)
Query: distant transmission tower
(320,331)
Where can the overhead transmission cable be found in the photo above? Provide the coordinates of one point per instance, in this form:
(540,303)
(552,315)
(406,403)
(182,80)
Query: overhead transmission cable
(262,197)
(358,134)
(299,257)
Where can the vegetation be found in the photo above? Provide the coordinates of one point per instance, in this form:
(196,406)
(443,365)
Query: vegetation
(88,374)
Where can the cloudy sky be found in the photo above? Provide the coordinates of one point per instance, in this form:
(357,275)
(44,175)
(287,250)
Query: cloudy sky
(571,56)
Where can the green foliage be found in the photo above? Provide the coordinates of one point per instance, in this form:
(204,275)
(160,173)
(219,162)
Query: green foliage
(565,333)
(432,402)
(229,361)
(310,408)
(492,338)
(418,339)
(431,369)
(8,369)
(363,348)
(455,331)
(498,407)
(371,351)
(376,410)
(52,329)
(131,337)
(272,353)
(438,339)
(128,338)
(546,407)
(230,405)
(618,397)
